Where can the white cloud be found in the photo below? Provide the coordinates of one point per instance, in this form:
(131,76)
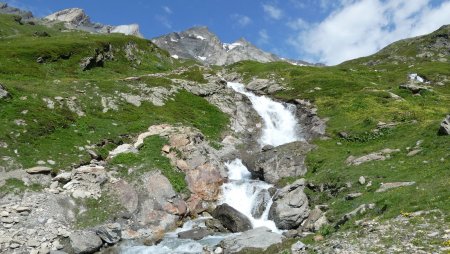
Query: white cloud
(273,11)
(263,37)
(298,24)
(164,21)
(362,27)
(241,20)
(167,9)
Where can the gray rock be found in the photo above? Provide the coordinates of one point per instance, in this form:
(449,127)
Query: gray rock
(290,206)
(3,92)
(63,177)
(444,128)
(359,210)
(414,87)
(110,233)
(375,156)
(38,170)
(352,196)
(195,234)
(362,180)
(126,195)
(85,242)
(316,219)
(287,160)
(231,218)
(256,239)
(260,203)
(216,226)
(387,186)
(297,247)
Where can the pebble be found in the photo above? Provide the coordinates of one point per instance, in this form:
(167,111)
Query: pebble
(23,209)
(14,245)
(4,214)
(33,243)
(7,220)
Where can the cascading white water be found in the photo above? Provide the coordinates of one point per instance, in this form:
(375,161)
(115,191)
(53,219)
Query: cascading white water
(241,192)
(280,127)
(280,124)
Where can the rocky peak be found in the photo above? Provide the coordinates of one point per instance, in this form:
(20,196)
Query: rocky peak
(75,16)
(201,44)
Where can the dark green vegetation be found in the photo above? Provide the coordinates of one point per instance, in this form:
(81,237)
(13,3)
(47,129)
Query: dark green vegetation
(131,166)
(60,134)
(355,97)
(97,211)
(14,185)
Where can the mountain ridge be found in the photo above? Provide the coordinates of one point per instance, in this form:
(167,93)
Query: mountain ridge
(201,44)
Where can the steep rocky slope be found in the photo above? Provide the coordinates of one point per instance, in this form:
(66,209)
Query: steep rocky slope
(202,45)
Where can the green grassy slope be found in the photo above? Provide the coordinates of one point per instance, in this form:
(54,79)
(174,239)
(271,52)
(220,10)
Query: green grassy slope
(59,134)
(355,97)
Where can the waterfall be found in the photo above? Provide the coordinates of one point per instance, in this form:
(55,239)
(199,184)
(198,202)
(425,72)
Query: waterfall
(280,124)
(241,192)
(250,197)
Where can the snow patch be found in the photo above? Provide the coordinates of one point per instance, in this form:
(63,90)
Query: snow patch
(175,56)
(173,40)
(203,58)
(416,77)
(132,29)
(231,46)
(200,37)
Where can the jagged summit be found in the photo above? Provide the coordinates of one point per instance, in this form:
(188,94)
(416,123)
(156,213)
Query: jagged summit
(201,44)
(76,18)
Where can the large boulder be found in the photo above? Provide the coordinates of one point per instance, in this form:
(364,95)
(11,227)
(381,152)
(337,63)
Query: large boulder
(231,218)
(287,160)
(444,129)
(290,206)
(205,181)
(156,194)
(85,242)
(256,239)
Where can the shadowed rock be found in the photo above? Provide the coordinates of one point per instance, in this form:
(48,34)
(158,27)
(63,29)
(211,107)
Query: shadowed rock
(231,218)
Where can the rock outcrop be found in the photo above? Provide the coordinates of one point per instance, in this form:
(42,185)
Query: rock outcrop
(256,239)
(290,206)
(273,164)
(231,218)
(75,18)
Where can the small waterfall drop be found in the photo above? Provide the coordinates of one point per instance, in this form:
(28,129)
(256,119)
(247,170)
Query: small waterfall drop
(280,124)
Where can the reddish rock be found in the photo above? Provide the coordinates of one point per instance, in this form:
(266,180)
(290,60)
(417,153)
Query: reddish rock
(205,181)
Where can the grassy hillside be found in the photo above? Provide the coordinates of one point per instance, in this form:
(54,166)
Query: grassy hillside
(356,98)
(38,67)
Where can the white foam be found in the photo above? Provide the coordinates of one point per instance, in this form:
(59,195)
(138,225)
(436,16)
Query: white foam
(280,124)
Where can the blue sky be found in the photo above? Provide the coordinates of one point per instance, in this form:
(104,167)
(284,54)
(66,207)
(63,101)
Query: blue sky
(328,31)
